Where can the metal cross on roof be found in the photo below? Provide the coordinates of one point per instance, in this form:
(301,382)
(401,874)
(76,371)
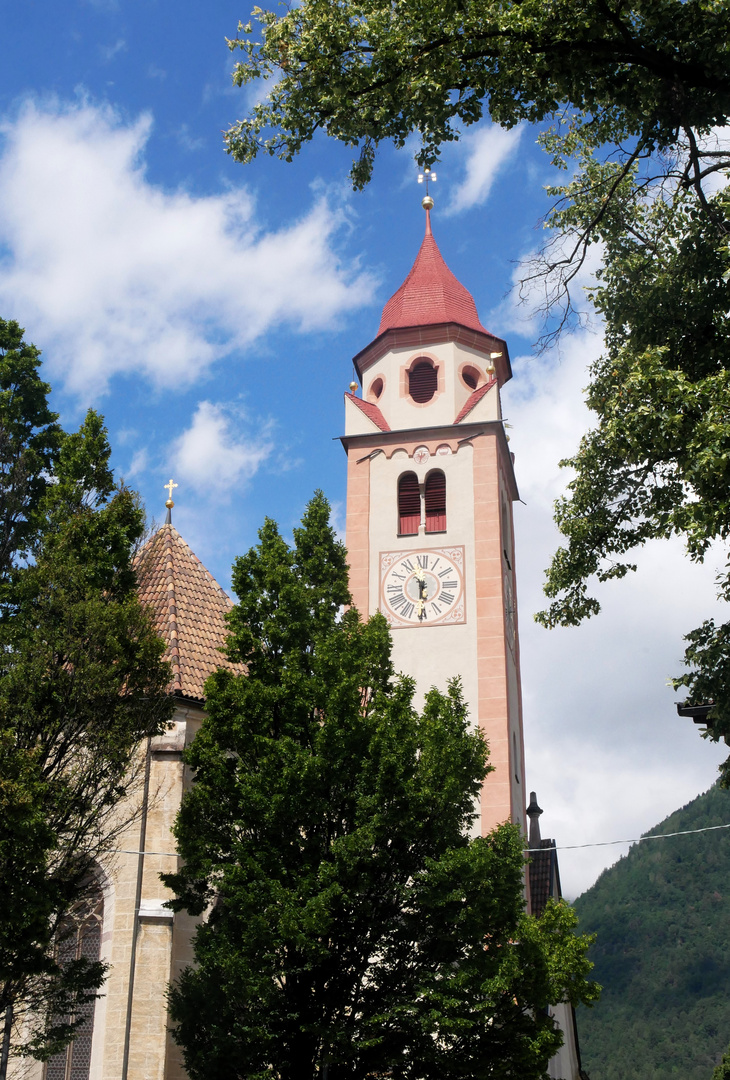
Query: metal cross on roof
(169,486)
(426,176)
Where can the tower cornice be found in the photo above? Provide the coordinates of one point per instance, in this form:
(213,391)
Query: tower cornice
(416,337)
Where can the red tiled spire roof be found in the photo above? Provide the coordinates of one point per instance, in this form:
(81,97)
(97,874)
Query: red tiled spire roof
(371,411)
(430,294)
(189,609)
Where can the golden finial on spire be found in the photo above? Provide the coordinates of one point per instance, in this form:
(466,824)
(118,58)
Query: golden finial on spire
(427,176)
(353,387)
(168,487)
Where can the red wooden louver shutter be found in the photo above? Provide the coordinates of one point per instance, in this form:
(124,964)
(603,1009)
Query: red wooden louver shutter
(409,504)
(423,381)
(436,502)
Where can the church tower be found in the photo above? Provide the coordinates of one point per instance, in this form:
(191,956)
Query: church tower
(430,489)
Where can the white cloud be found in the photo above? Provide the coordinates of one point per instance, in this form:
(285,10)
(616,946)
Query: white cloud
(108,52)
(138,464)
(211,456)
(487,149)
(117,275)
(605,750)
(188,141)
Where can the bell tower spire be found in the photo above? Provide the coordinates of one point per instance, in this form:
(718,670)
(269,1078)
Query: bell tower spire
(429,507)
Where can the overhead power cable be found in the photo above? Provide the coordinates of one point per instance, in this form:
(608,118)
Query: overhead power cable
(637,840)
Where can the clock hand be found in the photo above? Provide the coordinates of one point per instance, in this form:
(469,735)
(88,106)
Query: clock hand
(422,586)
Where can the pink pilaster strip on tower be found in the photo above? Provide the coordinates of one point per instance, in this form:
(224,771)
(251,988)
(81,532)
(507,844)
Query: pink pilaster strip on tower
(493,708)
(357,528)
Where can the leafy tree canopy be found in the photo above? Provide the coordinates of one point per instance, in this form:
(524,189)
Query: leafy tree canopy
(352,928)
(722,1072)
(364,72)
(656,463)
(29,442)
(81,684)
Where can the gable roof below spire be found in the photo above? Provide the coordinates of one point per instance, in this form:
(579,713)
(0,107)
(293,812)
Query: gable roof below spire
(430,294)
(189,608)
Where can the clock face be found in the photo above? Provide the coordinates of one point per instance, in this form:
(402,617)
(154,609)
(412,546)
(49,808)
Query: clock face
(422,588)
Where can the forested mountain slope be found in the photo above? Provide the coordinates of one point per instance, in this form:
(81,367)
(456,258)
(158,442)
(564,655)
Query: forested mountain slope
(662,955)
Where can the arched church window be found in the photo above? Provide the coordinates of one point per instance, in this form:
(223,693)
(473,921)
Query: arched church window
(79,936)
(435,495)
(422,381)
(409,504)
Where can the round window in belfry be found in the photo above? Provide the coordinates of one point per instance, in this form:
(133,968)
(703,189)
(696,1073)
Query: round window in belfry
(422,381)
(376,389)
(471,377)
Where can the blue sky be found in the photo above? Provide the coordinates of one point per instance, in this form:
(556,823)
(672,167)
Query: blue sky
(211,311)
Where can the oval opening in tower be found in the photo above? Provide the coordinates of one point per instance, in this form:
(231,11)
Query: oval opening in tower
(422,381)
(471,377)
(376,389)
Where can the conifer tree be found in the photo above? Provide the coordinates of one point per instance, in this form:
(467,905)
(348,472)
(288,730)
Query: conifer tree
(82,683)
(352,927)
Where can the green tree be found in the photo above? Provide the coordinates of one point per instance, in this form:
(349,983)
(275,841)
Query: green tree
(353,929)
(365,72)
(657,461)
(658,915)
(81,684)
(29,443)
(722,1072)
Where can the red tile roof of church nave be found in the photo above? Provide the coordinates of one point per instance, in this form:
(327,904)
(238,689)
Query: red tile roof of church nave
(371,411)
(430,294)
(189,609)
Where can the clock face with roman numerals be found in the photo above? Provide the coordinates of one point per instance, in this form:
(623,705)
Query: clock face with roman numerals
(422,588)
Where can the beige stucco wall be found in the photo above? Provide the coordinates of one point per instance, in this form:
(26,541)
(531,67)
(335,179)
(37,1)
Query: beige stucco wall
(400,411)
(164,942)
(431,654)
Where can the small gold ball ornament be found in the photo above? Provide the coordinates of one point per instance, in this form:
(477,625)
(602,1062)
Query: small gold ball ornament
(169,504)
(427,202)
(353,387)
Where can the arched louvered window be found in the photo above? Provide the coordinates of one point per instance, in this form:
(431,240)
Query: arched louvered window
(409,504)
(436,502)
(422,381)
(79,935)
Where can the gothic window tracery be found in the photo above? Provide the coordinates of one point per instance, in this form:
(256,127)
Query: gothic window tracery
(80,936)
